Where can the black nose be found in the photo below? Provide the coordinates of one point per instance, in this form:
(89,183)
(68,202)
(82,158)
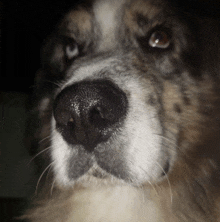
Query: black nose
(88,112)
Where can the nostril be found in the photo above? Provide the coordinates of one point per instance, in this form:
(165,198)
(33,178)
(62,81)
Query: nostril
(62,117)
(71,123)
(96,114)
(98,111)
(100,116)
(106,113)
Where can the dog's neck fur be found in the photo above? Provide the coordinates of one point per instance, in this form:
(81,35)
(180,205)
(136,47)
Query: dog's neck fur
(110,204)
(124,203)
(100,203)
(118,203)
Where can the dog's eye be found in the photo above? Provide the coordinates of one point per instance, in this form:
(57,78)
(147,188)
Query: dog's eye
(72,50)
(159,39)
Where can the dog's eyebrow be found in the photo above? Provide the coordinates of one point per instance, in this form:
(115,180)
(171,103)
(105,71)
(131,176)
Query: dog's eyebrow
(141,15)
(77,22)
(141,20)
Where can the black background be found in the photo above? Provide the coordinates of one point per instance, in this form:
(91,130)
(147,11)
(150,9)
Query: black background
(24,26)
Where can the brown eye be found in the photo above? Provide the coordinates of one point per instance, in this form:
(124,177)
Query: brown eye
(159,39)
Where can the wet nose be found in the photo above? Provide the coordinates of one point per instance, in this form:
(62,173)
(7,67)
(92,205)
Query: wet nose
(88,112)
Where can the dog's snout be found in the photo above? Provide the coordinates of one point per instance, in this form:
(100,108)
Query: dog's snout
(87,112)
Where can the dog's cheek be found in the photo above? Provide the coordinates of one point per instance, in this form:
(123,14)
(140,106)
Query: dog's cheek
(172,106)
(181,110)
(183,119)
(170,116)
(143,134)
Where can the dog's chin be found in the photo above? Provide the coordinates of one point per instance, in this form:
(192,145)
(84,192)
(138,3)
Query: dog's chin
(96,177)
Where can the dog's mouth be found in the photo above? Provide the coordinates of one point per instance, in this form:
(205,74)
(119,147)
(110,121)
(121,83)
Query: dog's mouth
(98,174)
(99,164)
(103,132)
(105,166)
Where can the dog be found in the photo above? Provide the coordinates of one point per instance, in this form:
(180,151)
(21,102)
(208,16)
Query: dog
(128,108)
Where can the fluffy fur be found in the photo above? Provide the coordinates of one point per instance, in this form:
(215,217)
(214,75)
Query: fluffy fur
(128,104)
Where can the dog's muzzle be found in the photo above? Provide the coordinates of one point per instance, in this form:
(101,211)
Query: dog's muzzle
(87,113)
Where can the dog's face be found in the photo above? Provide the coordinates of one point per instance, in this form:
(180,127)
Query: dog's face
(133,97)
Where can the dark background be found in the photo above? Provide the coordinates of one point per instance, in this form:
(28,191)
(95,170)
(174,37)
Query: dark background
(25,24)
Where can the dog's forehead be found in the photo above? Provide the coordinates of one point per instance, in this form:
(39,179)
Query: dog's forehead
(106,18)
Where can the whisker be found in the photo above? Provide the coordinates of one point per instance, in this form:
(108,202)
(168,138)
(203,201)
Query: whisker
(172,141)
(42,176)
(44,139)
(55,83)
(52,187)
(171,193)
(39,154)
(48,173)
(154,188)
(174,147)
(152,185)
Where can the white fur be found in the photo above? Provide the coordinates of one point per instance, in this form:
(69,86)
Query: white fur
(111,204)
(106,16)
(141,130)
(60,154)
